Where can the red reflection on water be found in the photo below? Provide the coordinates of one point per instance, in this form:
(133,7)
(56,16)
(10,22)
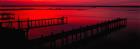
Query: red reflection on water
(76,18)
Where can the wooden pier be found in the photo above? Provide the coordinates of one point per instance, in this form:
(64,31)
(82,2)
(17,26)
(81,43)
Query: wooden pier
(75,36)
(30,24)
(6,16)
(15,33)
(16,36)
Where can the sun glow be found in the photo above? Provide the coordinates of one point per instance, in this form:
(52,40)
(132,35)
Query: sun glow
(45,0)
(38,0)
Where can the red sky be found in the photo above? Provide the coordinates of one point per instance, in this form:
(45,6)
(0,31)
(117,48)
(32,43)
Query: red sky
(70,2)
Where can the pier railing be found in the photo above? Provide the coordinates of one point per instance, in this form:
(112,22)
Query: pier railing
(29,24)
(75,35)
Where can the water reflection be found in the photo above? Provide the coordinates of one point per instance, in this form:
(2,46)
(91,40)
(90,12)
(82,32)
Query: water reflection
(77,18)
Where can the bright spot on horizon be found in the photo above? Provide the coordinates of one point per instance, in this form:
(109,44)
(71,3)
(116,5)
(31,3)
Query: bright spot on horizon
(38,0)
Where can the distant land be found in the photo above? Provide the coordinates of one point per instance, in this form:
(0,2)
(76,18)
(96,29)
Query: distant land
(42,9)
(64,6)
(29,7)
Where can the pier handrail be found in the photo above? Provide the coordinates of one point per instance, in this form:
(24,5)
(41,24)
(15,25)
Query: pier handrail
(29,23)
(108,25)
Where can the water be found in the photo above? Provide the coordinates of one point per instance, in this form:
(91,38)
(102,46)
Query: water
(86,16)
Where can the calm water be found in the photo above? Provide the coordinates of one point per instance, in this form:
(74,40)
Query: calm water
(86,16)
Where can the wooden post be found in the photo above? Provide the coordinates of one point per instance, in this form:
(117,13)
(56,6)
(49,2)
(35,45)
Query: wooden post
(58,21)
(72,37)
(52,21)
(62,41)
(39,24)
(80,32)
(44,22)
(62,20)
(76,36)
(28,22)
(66,40)
(35,23)
(91,32)
(48,22)
(0,24)
(55,21)
(31,24)
(19,23)
(10,24)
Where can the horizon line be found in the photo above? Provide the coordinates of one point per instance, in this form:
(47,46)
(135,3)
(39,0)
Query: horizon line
(68,6)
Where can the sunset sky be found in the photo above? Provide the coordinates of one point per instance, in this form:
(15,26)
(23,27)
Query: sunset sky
(71,2)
